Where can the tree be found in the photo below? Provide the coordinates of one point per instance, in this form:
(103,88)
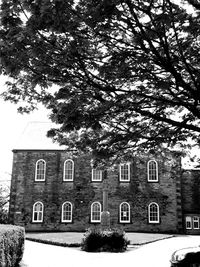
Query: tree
(4,200)
(127,72)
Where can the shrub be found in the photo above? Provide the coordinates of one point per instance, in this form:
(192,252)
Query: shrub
(11,245)
(97,240)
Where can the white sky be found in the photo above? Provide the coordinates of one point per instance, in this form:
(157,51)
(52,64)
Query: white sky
(13,125)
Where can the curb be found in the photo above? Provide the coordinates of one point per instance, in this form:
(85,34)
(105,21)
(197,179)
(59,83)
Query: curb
(55,243)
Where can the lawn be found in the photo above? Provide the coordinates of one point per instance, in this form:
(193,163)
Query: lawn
(73,239)
(67,239)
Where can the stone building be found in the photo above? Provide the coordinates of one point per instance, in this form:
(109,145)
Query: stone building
(190,193)
(55,190)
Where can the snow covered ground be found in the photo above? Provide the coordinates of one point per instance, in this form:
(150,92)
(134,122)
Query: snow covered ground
(155,254)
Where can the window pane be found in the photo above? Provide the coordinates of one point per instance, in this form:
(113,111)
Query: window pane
(96,212)
(35,216)
(125,172)
(68,175)
(37,212)
(188,222)
(40,170)
(67,212)
(39,216)
(152,171)
(124,212)
(153,213)
(38,207)
(96,175)
(195,222)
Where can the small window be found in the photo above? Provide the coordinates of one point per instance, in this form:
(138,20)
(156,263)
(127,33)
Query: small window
(40,170)
(124,212)
(67,212)
(195,222)
(68,170)
(152,170)
(124,172)
(153,213)
(96,175)
(96,212)
(188,222)
(38,212)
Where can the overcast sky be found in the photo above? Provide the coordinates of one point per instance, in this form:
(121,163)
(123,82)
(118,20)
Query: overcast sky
(13,125)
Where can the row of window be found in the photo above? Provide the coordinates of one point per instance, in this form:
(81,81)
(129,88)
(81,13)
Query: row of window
(192,222)
(97,175)
(96,209)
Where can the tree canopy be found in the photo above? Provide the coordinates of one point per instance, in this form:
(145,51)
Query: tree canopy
(126,72)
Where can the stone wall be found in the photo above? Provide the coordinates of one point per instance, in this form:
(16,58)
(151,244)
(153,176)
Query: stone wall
(191,198)
(53,192)
(191,191)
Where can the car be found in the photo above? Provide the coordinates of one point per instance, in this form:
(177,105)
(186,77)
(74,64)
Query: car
(186,257)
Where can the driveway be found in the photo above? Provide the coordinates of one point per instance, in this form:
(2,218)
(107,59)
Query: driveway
(155,254)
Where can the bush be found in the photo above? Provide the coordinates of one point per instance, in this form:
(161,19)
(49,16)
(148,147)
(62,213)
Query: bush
(97,240)
(11,245)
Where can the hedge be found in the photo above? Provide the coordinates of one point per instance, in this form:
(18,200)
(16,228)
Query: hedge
(97,240)
(11,245)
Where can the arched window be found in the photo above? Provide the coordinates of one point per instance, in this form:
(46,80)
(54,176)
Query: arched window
(38,208)
(67,212)
(124,172)
(68,170)
(152,171)
(153,213)
(124,210)
(40,170)
(96,212)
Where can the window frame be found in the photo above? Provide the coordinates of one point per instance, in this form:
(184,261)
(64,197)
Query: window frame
(188,219)
(129,172)
(36,170)
(157,212)
(120,213)
(101,175)
(64,171)
(195,221)
(148,171)
(71,212)
(38,212)
(91,212)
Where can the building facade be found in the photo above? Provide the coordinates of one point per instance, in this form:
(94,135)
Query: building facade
(190,193)
(54,190)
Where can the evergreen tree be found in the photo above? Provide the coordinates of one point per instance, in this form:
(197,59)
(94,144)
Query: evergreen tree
(127,72)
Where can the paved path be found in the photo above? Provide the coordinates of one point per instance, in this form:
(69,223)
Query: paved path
(156,254)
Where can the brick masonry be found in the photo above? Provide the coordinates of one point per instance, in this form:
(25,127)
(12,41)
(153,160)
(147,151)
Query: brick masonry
(82,192)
